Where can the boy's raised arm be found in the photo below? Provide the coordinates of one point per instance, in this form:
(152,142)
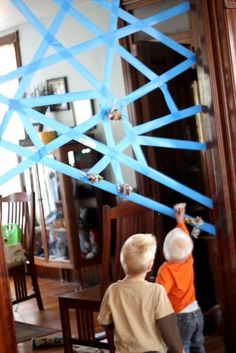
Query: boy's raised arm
(179,216)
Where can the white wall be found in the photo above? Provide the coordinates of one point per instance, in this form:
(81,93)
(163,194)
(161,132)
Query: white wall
(72,33)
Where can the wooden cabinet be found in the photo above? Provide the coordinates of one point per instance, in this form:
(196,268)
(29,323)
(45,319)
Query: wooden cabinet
(68,212)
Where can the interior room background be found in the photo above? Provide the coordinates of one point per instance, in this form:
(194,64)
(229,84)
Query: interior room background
(29,41)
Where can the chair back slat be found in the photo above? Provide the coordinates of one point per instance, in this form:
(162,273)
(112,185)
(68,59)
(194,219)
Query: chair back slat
(119,223)
(19,209)
(85,325)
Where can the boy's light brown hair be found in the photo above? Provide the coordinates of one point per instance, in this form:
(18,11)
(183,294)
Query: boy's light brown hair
(138,253)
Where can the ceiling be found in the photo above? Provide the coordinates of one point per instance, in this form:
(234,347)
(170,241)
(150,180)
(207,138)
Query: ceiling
(10,16)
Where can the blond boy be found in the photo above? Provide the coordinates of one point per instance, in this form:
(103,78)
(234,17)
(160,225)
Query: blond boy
(138,310)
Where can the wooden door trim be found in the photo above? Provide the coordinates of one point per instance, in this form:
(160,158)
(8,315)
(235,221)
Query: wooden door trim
(7,326)
(215,69)
(211,39)
(231,4)
(137,4)
(13,38)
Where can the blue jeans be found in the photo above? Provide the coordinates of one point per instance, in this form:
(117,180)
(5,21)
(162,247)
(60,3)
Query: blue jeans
(191,331)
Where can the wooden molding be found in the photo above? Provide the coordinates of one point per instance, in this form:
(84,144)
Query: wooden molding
(9,38)
(130,5)
(219,70)
(230,4)
(7,327)
(13,38)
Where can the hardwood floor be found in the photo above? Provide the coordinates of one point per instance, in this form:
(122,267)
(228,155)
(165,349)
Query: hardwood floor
(50,317)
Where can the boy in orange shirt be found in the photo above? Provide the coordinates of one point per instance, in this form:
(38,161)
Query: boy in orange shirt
(177,276)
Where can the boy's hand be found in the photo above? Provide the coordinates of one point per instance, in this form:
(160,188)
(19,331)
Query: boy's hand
(180,212)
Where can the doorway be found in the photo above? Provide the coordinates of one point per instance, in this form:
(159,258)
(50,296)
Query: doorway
(185,166)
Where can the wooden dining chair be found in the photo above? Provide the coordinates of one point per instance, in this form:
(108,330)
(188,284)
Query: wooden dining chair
(119,223)
(19,209)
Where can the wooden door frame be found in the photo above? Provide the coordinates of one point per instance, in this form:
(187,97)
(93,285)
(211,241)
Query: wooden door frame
(216,72)
(7,325)
(214,40)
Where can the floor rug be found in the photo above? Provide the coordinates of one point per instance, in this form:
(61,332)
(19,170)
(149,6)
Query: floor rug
(25,332)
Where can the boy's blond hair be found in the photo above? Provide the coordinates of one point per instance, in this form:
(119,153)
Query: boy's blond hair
(177,246)
(138,253)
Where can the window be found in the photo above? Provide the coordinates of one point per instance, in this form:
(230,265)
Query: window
(9,61)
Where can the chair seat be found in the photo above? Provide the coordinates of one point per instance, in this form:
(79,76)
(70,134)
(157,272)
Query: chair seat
(91,294)
(84,305)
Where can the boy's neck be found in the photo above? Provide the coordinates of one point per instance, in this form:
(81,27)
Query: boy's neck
(140,277)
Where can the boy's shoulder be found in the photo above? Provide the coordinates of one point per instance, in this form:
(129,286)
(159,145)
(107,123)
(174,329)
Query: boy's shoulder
(135,285)
(168,266)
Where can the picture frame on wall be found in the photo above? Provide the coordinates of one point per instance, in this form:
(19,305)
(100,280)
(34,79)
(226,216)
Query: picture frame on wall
(83,109)
(27,141)
(58,86)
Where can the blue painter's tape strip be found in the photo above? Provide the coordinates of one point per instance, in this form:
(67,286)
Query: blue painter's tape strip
(58,98)
(60,167)
(32,133)
(92,28)
(207,227)
(168,119)
(39,53)
(47,35)
(28,69)
(100,165)
(111,47)
(112,188)
(112,152)
(144,26)
(157,83)
(81,47)
(77,174)
(22,166)
(15,171)
(7,102)
(137,64)
(165,180)
(149,74)
(108,134)
(139,153)
(66,54)
(168,98)
(170,143)
(61,128)
(117,171)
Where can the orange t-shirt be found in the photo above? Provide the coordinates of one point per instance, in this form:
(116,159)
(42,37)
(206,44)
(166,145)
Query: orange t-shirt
(178,280)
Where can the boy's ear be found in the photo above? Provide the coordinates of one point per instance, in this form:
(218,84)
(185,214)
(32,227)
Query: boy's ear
(150,266)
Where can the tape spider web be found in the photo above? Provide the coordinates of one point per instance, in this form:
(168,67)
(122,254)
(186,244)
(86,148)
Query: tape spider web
(112,152)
